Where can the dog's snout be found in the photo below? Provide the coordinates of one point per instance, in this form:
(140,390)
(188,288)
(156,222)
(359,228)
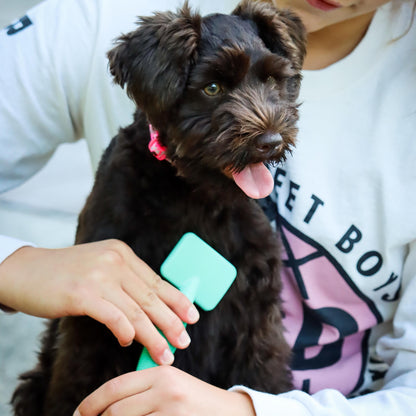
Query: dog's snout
(268,142)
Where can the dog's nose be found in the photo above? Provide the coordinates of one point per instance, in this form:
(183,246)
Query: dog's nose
(268,142)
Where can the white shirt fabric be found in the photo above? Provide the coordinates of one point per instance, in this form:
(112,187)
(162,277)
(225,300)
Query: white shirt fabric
(345,199)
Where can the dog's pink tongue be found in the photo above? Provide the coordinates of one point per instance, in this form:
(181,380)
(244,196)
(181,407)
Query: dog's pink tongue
(255,180)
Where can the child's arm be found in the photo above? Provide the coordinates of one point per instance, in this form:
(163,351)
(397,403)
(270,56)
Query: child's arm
(104,280)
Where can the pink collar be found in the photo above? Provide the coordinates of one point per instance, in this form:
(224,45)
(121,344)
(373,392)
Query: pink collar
(155,147)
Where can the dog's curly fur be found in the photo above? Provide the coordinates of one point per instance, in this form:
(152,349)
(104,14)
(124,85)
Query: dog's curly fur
(252,61)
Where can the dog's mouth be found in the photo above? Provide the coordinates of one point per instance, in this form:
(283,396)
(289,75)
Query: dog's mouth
(255,180)
(253,177)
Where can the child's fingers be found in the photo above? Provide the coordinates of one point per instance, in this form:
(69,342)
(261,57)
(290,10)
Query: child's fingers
(127,321)
(144,327)
(139,404)
(157,311)
(170,295)
(112,392)
(113,318)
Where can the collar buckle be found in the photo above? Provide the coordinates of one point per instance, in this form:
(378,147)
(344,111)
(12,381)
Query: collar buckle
(155,147)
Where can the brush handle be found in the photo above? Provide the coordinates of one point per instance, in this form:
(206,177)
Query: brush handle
(146,361)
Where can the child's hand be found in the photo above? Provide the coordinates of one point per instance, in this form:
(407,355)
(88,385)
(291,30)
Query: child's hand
(104,280)
(163,391)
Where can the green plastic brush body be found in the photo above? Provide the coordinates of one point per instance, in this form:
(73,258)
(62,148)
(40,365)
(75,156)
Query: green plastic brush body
(199,272)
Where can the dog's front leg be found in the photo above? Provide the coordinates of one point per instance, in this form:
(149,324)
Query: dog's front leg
(257,354)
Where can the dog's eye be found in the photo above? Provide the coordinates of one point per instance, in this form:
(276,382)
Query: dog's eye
(271,81)
(212,89)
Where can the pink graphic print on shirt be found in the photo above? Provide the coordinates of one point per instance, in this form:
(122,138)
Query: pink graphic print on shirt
(326,318)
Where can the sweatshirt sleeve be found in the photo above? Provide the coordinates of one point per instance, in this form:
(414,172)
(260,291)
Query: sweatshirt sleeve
(9,245)
(39,109)
(398,349)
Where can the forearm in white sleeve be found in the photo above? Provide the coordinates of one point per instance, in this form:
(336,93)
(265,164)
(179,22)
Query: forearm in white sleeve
(398,399)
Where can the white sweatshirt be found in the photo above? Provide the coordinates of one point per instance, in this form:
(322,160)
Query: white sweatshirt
(345,200)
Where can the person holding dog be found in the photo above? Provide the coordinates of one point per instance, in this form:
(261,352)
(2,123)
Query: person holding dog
(345,202)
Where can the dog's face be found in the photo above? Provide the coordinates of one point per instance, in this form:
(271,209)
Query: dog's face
(221,89)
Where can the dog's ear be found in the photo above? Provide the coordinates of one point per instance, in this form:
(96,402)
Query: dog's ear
(282,31)
(154,60)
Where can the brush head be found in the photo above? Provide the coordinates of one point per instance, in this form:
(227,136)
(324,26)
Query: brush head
(198,271)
